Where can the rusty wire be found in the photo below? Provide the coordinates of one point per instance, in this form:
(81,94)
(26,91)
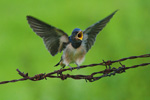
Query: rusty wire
(91,78)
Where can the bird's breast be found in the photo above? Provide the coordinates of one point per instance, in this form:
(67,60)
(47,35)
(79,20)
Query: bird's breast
(71,54)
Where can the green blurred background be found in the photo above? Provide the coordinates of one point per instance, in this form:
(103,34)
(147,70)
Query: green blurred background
(127,34)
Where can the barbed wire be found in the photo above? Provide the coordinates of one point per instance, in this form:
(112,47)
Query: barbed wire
(91,77)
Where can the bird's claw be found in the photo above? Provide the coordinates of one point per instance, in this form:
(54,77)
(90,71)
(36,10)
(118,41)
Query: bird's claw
(70,67)
(78,67)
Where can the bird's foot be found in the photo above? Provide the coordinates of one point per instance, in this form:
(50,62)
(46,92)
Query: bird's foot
(78,67)
(70,67)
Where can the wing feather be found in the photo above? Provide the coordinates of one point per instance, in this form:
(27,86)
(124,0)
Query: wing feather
(91,32)
(52,36)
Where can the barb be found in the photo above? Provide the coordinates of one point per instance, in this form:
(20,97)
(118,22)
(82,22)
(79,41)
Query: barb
(91,77)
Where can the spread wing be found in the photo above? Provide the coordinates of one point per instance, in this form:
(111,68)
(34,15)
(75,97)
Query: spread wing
(54,39)
(91,32)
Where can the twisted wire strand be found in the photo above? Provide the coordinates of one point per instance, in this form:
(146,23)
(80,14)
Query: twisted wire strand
(91,77)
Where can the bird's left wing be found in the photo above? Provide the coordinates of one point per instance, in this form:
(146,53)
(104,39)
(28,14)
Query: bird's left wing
(91,32)
(54,39)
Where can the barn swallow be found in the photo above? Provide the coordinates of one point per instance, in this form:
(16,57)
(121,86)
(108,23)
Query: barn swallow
(74,47)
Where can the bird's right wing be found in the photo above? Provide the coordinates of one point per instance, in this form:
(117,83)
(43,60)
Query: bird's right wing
(54,39)
(91,32)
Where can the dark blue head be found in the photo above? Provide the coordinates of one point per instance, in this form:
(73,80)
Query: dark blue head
(77,34)
(76,37)
(76,30)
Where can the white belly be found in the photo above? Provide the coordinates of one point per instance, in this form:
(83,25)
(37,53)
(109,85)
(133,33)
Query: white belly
(72,55)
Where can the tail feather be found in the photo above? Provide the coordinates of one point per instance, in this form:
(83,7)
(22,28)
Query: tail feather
(60,63)
(57,64)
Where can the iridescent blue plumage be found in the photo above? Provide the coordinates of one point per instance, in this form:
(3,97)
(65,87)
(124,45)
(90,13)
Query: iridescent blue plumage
(74,40)
(76,30)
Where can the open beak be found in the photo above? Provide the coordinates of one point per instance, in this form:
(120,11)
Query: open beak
(79,35)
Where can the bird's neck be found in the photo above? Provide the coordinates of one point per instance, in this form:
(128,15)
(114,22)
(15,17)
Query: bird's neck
(76,44)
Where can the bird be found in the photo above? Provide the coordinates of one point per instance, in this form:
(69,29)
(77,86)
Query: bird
(75,46)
